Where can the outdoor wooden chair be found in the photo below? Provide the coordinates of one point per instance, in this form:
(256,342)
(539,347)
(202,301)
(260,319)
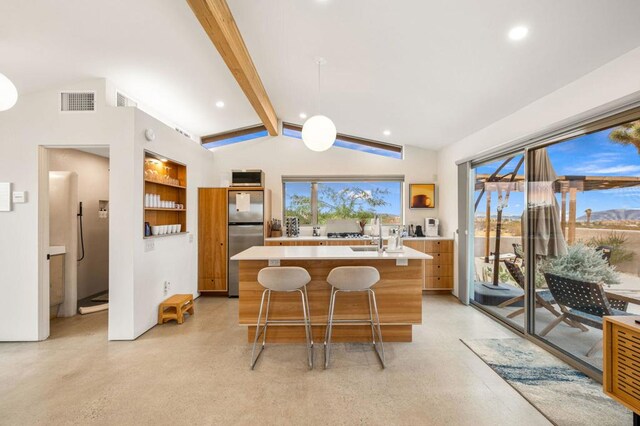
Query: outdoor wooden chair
(518,251)
(606,253)
(582,302)
(544,298)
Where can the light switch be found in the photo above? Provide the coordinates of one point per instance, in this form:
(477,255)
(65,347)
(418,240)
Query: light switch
(19,197)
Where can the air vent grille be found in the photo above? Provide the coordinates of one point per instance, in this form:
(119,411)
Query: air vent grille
(123,101)
(182,132)
(77,101)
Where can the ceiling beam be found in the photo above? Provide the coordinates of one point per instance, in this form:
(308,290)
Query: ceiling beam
(217,21)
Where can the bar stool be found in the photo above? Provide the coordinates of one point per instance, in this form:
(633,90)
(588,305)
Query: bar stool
(285,279)
(350,279)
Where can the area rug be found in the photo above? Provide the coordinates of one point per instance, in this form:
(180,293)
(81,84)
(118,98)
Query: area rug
(561,393)
(102,298)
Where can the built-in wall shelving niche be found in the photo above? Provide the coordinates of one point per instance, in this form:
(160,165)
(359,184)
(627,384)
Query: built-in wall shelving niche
(165,196)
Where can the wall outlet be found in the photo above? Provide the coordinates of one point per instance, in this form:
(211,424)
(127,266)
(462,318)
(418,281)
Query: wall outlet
(190,238)
(274,262)
(149,245)
(167,287)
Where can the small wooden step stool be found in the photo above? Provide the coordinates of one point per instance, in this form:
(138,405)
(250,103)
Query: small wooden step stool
(175,307)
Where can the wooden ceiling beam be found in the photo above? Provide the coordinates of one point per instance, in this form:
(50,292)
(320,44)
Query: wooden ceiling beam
(217,21)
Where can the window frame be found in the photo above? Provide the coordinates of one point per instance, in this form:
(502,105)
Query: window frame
(314,180)
(227,138)
(395,151)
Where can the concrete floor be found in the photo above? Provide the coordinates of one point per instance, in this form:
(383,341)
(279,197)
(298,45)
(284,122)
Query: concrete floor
(198,373)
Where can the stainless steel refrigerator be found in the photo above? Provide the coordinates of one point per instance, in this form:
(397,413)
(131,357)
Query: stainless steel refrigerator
(246,229)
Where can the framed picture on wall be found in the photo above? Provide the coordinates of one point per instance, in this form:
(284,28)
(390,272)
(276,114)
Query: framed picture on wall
(422,195)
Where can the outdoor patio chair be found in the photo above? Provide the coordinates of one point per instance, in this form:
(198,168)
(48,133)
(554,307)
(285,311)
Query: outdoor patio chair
(518,251)
(544,299)
(582,302)
(606,253)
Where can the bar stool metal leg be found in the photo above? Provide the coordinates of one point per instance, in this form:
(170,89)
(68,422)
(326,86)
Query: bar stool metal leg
(380,352)
(327,336)
(306,298)
(254,358)
(307,326)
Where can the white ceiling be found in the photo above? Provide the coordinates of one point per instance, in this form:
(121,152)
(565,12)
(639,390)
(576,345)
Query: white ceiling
(431,72)
(155,51)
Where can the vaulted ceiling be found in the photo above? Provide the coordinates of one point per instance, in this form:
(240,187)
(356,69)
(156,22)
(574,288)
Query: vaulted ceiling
(431,72)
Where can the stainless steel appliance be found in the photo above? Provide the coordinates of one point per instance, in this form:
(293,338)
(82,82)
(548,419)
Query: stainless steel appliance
(246,229)
(252,178)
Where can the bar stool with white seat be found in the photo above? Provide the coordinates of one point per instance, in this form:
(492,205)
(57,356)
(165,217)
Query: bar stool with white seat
(285,279)
(348,279)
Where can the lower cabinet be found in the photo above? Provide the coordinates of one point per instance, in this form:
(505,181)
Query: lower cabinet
(438,272)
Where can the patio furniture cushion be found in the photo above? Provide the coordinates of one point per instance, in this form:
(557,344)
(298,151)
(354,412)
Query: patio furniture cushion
(592,320)
(546,296)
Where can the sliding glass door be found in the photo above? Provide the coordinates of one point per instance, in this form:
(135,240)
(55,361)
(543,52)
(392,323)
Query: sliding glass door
(555,238)
(584,221)
(498,284)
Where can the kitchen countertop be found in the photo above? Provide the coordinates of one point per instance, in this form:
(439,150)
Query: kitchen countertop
(325,238)
(322,253)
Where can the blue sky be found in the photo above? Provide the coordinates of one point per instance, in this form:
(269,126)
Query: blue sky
(589,155)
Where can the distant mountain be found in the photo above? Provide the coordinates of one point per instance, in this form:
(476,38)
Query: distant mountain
(615,214)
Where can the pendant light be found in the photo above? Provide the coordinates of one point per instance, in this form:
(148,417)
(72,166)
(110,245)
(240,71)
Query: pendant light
(319,132)
(8,93)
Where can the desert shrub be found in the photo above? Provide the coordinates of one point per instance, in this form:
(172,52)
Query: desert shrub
(616,241)
(581,263)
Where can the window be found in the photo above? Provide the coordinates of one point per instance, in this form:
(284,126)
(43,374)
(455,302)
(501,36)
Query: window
(234,136)
(316,200)
(351,142)
(558,221)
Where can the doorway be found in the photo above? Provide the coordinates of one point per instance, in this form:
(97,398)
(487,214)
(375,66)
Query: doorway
(77,213)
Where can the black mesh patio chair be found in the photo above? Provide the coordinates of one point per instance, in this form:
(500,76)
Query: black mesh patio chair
(518,251)
(606,253)
(544,299)
(582,302)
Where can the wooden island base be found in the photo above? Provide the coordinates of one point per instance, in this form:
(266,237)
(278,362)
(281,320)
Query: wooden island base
(399,297)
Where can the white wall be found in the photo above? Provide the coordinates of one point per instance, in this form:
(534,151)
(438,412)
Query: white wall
(282,155)
(173,259)
(615,80)
(35,122)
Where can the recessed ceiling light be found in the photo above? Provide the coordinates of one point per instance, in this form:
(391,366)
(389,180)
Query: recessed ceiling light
(164,160)
(387,133)
(220,104)
(518,33)
(303,115)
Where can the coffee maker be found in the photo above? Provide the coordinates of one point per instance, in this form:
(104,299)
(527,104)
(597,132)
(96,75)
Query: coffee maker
(431,227)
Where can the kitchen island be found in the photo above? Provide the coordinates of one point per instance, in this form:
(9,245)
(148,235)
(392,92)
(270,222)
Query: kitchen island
(398,293)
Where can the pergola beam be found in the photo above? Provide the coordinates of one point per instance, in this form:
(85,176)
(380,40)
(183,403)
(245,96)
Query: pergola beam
(217,21)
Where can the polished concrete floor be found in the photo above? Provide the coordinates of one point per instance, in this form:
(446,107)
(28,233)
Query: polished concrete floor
(198,373)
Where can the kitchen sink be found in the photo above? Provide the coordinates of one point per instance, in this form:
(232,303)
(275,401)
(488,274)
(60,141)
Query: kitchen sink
(371,248)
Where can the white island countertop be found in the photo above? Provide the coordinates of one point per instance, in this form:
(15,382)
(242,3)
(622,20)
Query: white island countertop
(323,253)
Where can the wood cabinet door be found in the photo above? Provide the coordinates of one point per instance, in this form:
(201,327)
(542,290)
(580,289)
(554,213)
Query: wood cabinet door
(419,246)
(212,239)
